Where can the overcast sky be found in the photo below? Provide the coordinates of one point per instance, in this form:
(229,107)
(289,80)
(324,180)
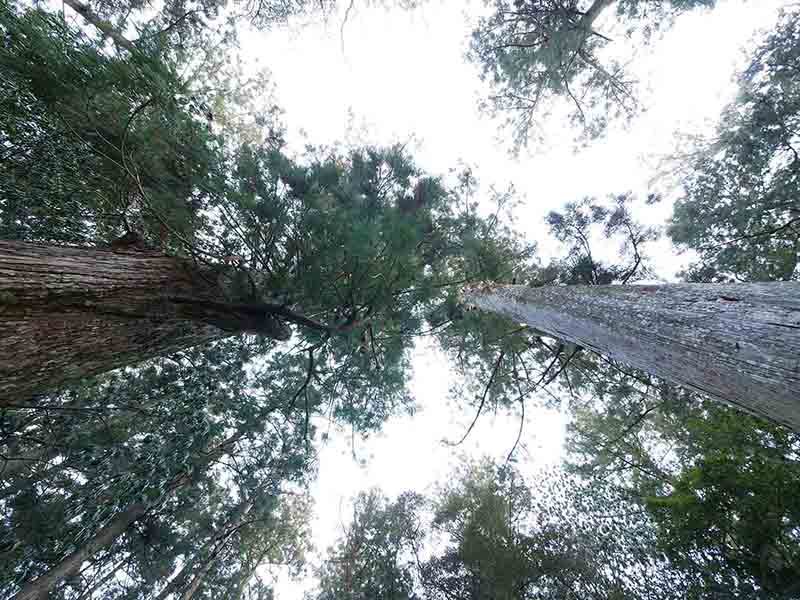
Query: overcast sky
(401,76)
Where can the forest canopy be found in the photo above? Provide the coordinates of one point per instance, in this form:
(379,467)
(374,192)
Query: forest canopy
(195,309)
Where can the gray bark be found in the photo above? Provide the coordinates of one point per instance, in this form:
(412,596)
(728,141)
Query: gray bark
(69,313)
(591,15)
(105,26)
(739,343)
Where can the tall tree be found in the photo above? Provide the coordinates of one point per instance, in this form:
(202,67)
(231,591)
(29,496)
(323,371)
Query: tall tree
(123,442)
(372,558)
(533,52)
(725,340)
(350,248)
(490,534)
(107,535)
(738,208)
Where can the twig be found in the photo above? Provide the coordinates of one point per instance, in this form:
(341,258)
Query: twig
(309,375)
(483,399)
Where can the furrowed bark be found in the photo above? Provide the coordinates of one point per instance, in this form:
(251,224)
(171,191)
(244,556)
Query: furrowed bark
(69,313)
(739,343)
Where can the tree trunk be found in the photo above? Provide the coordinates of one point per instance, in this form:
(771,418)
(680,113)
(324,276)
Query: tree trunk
(233,522)
(739,343)
(39,588)
(69,313)
(103,25)
(591,15)
(13,465)
(197,580)
(94,588)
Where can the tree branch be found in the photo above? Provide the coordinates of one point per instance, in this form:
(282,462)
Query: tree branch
(483,399)
(104,26)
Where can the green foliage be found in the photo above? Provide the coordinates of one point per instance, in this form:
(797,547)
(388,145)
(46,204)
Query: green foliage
(732,508)
(545,56)
(489,534)
(372,560)
(581,223)
(93,145)
(358,249)
(129,438)
(708,475)
(724,505)
(739,209)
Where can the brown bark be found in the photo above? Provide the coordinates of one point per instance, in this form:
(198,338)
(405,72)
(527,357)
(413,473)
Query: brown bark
(739,343)
(69,313)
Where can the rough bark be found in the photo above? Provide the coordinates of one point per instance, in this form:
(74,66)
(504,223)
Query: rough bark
(739,343)
(69,313)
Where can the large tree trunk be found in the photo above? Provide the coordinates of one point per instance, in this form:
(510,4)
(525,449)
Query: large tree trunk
(68,313)
(739,343)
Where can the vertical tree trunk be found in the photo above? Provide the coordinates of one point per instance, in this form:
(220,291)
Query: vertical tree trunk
(233,522)
(739,343)
(594,11)
(39,589)
(68,313)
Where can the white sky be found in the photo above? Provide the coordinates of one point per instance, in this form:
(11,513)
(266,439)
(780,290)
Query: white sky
(403,76)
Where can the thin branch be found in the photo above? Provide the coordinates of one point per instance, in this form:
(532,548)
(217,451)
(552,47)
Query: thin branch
(766,232)
(309,375)
(128,123)
(483,399)
(635,422)
(521,418)
(344,22)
